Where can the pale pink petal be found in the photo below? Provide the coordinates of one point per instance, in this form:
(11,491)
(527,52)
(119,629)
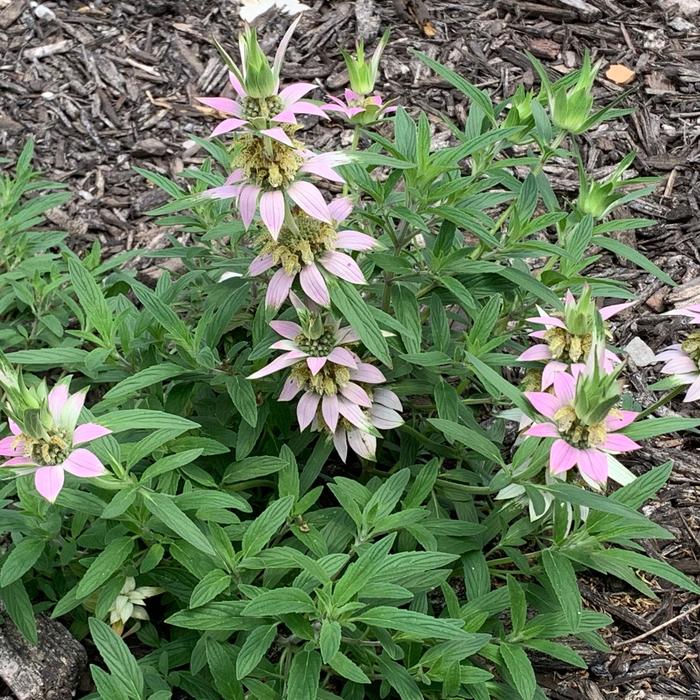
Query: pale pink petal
(278,134)
(536,352)
(14,428)
(609,311)
(285,344)
(290,389)
(692,312)
(681,364)
(10,447)
(564,387)
(248,203)
(569,298)
(278,289)
(83,463)
(69,414)
(227,125)
(223,192)
(261,264)
(281,362)
(237,85)
(363,444)
(550,371)
(594,464)
(294,92)
(562,456)
(323,169)
(616,442)
(89,431)
(340,208)
(221,104)
(543,430)
(316,364)
(49,482)
(388,398)
(340,443)
(306,409)
(314,285)
(351,95)
(303,108)
(344,357)
(618,419)
(236,176)
(544,403)
(693,392)
(309,198)
(385,418)
(355,393)
(352,412)
(354,240)
(287,329)
(19,462)
(547,320)
(57,400)
(343,266)
(367,373)
(272,211)
(540,335)
(286,116)
(346,335)
(329,410)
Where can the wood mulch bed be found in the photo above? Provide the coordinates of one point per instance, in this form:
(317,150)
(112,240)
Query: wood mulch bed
(106,86)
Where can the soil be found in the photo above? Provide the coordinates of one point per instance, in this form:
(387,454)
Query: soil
(107,86)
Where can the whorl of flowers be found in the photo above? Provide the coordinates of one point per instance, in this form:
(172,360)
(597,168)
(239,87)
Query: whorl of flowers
(568,336)
(302,240)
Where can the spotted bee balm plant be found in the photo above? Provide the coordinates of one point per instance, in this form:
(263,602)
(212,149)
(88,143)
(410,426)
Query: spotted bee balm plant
(291,471)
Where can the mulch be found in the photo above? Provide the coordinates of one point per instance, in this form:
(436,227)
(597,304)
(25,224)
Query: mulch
(106,86)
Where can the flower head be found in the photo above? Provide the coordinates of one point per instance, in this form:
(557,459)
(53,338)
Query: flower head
(683,362)
(309,248)
(568,337)
(359,109)
(45,441)
(582,417)
(336,385)
(130,604)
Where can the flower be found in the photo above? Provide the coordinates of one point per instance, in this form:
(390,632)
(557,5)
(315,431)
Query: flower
(568,336)
(692,312)
(359,109)
(51,451)
(304,247)
(582,417)
(383,414)
(269,173)
(337,386)
(683,361)
(130,604)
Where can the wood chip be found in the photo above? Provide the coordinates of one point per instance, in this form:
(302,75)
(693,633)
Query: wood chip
(49,49)
(545,48)
(619,74)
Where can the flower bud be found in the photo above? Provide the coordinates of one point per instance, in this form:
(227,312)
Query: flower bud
(363,74)
(580,315)
(571,106)
(520,114)
(259,78)
(597,392)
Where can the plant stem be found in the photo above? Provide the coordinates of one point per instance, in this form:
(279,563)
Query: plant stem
(662,401)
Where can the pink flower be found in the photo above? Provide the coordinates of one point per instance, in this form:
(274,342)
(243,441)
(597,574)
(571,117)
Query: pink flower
(50,456)
(383,414)
(568,337)
(261,114)
(272,181)
(336,384)
(309,249)
(692,312)
(586,445)
(358,108)
(684,368)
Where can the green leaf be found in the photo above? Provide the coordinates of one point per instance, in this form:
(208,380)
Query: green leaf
(222,615)
(261,530)
(20,559)
(254,649)
(304,676)
(141,380)
(19,607)
(469,438)
(107,686)
(169,514)
(557,651)
(253,468)
(563,580)
(355,309)
(399,679)
(142,419)
(634,256)
(116,655)
(243,396)
(495,384)
(654,567)
(347,668)
(329,639)
(215,582)
(280,601)
(651,427)
(107,562)
(163,314)
(417,624)
(520,669)
(91,298)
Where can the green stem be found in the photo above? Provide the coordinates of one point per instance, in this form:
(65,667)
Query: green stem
(662,401)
